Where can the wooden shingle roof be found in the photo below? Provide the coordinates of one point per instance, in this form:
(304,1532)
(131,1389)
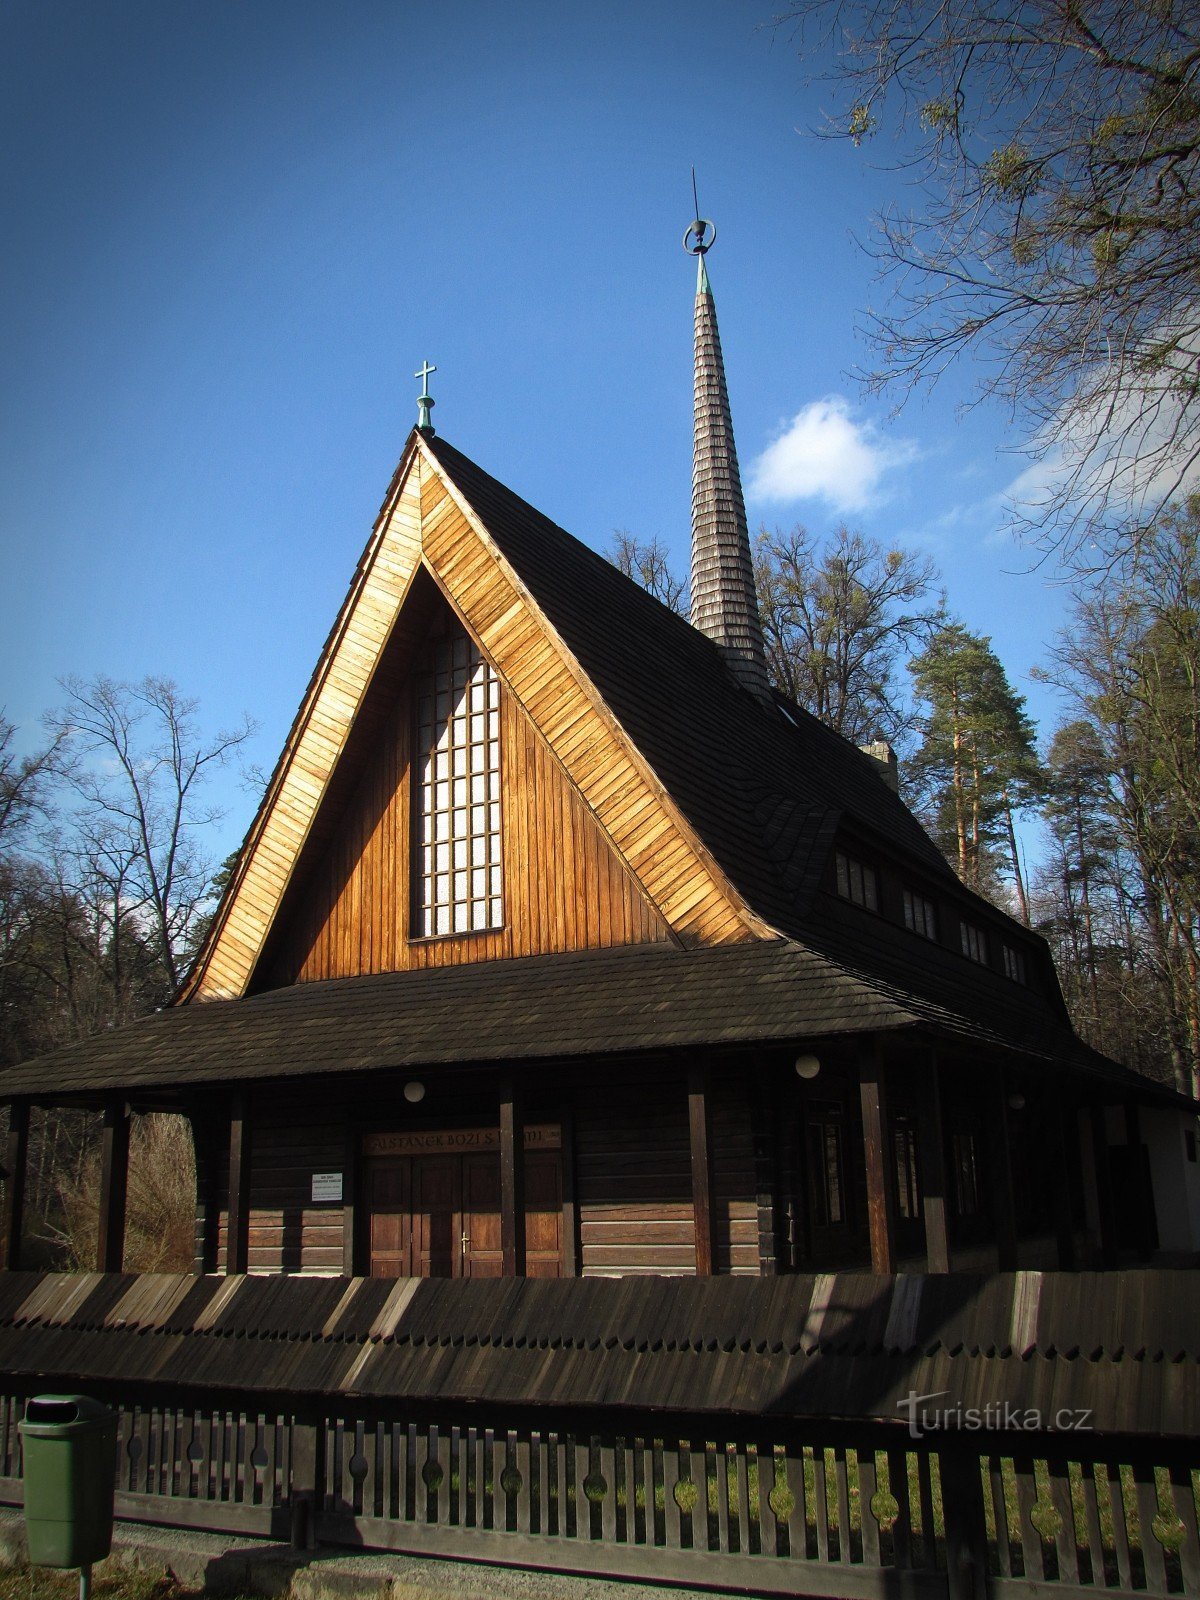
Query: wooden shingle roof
(1123,1345)
(552,1007)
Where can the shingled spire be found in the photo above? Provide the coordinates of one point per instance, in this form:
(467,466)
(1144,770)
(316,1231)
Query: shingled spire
(724,599)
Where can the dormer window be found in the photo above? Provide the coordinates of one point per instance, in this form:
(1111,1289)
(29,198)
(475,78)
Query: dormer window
(974,943)
(1014,963)
(456,794)
(920,915)
(856,881)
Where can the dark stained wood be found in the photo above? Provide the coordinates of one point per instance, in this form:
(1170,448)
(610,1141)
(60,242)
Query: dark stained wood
(1102,1170)
(512,1184)
(1062,1140)
(114,1184)
(351,1231)
(701,1164)
(570,1203)
(933,1174)
(237,1249)
(633,1176)
(1004,1214)
(16,1149)
(765,1119)
(877,1162)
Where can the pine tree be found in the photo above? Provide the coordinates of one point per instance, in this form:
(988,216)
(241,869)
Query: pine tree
(976,766)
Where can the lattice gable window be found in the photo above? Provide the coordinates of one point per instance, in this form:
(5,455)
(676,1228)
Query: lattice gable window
(458,876)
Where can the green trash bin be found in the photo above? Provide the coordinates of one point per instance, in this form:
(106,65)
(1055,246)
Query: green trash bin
(70,1448)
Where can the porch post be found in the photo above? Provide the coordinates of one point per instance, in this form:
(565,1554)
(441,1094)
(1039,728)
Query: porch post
(15,1152)
(1003,1210)
(699,1141)
(881,1201)
(512,1183)
(1102,1172)
(114,1185)
(933,1174)
(237,1238)
(1064,1126)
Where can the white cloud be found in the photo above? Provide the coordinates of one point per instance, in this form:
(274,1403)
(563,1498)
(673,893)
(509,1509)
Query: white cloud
(824,453)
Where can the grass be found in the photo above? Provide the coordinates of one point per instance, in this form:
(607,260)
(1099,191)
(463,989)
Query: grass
(111,1581)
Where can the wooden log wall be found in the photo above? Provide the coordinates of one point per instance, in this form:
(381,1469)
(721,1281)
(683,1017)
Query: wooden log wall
(634,1183)
(564,886)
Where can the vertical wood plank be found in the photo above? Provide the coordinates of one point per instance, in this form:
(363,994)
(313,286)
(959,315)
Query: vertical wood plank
(350,1184)
(608,1506)
(1003,1207)
(867,1487)
(1102,1174)
(1066,1546)
(1063,1128)
(701,1164)
(768,1525)
(1120,1526)
(1184,1501)
(820,1503)
(114,1184)
(797,1522)
(933,1174)
(1153,1554)
(16,1151)
(512,1184)
(570,1203)
(237,1248)
(881,1199)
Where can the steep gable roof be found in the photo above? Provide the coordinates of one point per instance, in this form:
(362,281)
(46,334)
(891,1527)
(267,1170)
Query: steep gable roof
(427,525)
(763,785)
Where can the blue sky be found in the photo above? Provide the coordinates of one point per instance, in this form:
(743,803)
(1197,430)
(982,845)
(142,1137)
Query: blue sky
(234,231)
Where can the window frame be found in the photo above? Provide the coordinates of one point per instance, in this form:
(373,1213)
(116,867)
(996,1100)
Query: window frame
(456,722)
(973,942)
(912,899)
(845,866)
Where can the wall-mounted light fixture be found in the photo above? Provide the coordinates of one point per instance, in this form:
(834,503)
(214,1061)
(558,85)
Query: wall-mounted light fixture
(807,1067)
(414,1092)
(1016,1102)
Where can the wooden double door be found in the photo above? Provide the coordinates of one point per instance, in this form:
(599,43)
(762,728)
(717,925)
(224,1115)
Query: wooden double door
(438,1216)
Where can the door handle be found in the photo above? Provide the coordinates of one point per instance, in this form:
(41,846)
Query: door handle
(464,1243)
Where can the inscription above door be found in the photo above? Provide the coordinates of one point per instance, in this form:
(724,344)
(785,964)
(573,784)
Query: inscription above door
(456,1141)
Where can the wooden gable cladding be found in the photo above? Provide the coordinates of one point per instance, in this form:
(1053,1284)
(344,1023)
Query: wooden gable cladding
(667,859)
(316,741)
(641,870)
(564,886)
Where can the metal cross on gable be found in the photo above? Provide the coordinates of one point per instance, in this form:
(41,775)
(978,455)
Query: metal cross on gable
(424,399)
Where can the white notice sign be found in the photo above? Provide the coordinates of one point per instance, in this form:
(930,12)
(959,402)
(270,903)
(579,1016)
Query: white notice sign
(327,1186)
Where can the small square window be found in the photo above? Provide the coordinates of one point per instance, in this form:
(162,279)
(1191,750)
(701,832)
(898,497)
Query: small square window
(974,943)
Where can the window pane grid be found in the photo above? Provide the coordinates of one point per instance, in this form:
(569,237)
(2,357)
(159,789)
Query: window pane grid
(856,881)
(1014,963)
(920,915)
(974,943)
(458,875)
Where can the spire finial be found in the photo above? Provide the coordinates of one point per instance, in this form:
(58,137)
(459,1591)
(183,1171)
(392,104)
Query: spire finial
(724,602)
(425,401)
(698,240)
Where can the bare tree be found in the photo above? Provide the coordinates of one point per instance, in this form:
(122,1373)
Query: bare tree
(1055,153)
(649,564)
(24,779)
(136,832)
(838,621)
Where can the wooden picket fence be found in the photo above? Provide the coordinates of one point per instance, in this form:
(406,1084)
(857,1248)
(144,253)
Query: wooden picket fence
(823,1508)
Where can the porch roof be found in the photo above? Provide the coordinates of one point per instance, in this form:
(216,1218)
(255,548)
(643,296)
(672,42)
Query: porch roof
(1122,1346)
(597,1002)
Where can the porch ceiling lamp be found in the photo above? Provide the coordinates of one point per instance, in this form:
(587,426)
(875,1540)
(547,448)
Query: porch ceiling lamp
(1016,1102)
(807,1067)
(414,1092)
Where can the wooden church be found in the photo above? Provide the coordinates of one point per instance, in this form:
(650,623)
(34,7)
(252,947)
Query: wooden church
(561,944)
